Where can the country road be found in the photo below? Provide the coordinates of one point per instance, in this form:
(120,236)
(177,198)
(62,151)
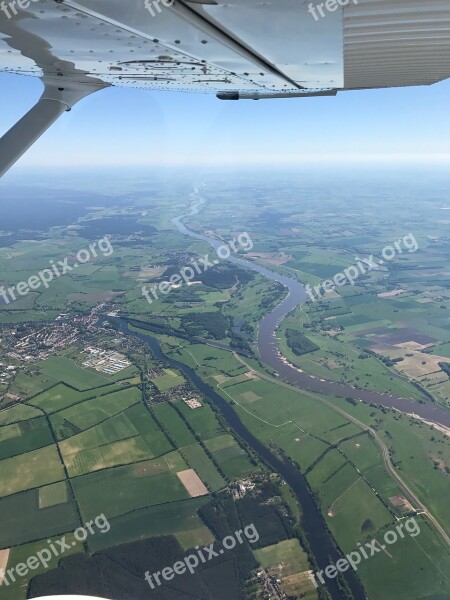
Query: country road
(411,496)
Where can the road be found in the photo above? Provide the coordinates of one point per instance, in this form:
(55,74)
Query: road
(411,496)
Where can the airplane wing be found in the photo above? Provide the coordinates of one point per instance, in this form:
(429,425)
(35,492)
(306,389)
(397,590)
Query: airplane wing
(237,49)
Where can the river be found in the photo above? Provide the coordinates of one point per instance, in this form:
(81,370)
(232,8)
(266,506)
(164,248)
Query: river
(313,525)
(320,540)
(268,346)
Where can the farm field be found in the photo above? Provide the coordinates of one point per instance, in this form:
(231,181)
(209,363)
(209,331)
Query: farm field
(75,443)
(25,436)
(88,413)
(179,518)
(62,396)
(146,483)
(230,456)
(174,425)
(203,420)
(304,428)
(202,464)
(30,470)
(168,381)
(288,562)
(25,520)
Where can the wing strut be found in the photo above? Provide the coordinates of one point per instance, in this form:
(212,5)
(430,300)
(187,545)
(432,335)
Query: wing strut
(51,105)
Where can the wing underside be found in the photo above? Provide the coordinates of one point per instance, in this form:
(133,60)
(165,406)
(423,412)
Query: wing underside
(249,47)
(234,48)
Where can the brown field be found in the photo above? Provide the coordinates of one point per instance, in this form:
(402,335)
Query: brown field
(192,482)
(274,258)
(252,375)
(147,273)
(442,390)
(148,468)
(403,336)
(250,396)
(102,296)
(4,557)
(412,365)
(220,378)
(391,294)
(296,584)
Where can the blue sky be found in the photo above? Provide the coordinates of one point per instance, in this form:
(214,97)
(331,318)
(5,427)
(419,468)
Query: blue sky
(139,127)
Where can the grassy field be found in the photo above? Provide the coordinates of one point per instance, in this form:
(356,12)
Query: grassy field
(63,369)
(168,381)
(24,520)
(416,567)
(144,423)
(357,513)
(174,424)
(177,518)
(25,436)
(203,420)
(62,396)
(17,413)
(230,456)
(124,438)
(121,452)
(288,563)
(53,494)
(123,489)
(86,414)
(30,470)
(20,554)
(203,466)
(331,462)
(415,447)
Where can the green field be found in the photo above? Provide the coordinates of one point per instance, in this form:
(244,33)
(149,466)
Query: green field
(288,562)
(53,494)
(144,423)
(62,396)
(202,420)
(63,369)
(24,436)
(177,518)
(24,520)
(168,381)
(124,489)
(121,452)
(85,415)
(20,412)
(230,456)
(174,424)
(203,466)
(20,554)
(30,470)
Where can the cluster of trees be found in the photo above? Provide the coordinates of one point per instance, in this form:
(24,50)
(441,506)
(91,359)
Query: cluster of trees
(445,367)
(213,323)
(299,343)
